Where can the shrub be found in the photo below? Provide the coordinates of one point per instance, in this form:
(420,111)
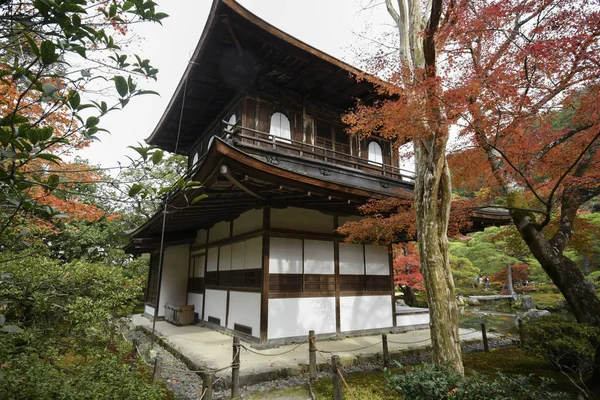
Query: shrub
(430,382)
(567,345)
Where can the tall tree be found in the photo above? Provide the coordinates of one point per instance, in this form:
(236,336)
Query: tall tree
(418,85)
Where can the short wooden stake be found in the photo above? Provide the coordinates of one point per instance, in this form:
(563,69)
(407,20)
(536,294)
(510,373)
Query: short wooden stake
(338,393)
(312,356)
(157,369)
(386,352)
(235,369)
(134,354)
(486,346)
(207,385)
(521,334)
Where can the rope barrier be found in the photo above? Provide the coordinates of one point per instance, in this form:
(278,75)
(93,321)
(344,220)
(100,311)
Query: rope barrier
(350,350)
(345,383)
(273,354)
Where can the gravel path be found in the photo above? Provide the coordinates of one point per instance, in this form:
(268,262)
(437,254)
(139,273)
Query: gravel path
(187,385)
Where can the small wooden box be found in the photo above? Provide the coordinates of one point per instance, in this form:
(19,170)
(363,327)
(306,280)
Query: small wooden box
(179,315)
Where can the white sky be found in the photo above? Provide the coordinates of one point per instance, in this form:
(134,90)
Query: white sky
(328,25)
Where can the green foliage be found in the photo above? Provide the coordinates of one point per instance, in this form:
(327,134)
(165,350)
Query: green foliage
(463,271)
(594,277)
(485,253)
(68,345)
(430,382)
(567,345)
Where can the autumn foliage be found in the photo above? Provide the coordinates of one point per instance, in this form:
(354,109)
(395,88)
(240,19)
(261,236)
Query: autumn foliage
(406,267)
(520,272)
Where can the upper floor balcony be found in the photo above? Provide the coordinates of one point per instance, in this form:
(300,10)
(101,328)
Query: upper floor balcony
(271,131)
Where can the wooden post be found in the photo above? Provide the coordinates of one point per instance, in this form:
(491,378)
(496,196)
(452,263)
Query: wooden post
(134,354)
(386,353)
(235,369)
(157,369)
(521,335)
(486,346)
(207,385)
(338,393)
(312,356)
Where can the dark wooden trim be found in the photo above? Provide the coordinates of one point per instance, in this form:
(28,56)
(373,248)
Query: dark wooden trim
(264,299)
(391,261)
(288,233)
(336,264)
(231,240)
(370,293)
(234,288)
(302,295)
(227,310)
(205,267)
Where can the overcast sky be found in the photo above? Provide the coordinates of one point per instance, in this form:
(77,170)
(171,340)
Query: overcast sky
(329,25)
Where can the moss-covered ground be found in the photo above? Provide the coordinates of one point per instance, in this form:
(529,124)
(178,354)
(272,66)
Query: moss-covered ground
(371,386)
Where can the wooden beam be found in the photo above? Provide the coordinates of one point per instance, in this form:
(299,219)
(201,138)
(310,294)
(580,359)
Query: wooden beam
(264,300)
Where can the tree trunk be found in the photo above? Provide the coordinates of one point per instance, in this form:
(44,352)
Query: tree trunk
(508,287)
(432,223)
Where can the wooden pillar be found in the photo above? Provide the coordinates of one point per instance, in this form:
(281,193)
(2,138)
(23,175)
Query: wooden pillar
(264,293)
(235,369)
(336,266)
(207,385)
(338,393)
(391,262)
(312,356)
(386,352)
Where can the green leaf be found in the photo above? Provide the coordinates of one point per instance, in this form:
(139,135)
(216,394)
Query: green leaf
(198,198)
(53,180)
(48,52)
(135,189)
(112,10)
(121,85)
(127,5)
(32,45)
(157,156)
(92,121)
(49,89)
(79,50)
(74,99)
(49,157)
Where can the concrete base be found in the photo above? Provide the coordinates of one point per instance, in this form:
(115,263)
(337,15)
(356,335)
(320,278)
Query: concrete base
(200,347)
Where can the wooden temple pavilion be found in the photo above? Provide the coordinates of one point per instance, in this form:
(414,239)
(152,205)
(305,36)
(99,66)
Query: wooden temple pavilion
(257,113)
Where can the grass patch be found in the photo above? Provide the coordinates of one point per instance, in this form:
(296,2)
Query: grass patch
(547,301)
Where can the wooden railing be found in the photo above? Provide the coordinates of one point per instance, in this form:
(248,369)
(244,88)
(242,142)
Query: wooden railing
(317,152)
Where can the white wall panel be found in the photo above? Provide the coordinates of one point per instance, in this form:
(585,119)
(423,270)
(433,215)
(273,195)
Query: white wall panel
(173,287)
(352,261)
(378,260)
(248,221)
(201,237)
(254,254)
(196,300)
(318,257)
(296,316)
(365,312)
(216,305)
(213,259)
(225,258)
(300,219)
(285,256)
(220,231)
(238,255)
(412,319)
(244,309)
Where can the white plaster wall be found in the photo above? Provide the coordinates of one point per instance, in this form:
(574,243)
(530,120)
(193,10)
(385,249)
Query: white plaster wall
(248,221)
(365,312)
(216,305)
(378,260)
(244,308)
(196,300)
(173,287)
(213,259)
(300,219)
(351,218)
(238,255)
(285,256)
(318,257)
(220,231)
(201,237)
(412,319)
(352,261)
(296,316)
(225,258)
(254,255)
